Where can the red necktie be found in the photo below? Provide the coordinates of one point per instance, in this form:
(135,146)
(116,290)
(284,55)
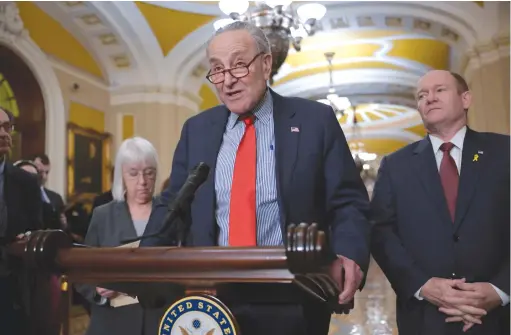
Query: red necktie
(242,216)
(449,177)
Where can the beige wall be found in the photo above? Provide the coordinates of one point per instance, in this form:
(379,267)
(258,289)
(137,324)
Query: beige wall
(490,87)
(159,123)
(87,94)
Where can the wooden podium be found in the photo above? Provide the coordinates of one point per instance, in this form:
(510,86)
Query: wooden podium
(163,275)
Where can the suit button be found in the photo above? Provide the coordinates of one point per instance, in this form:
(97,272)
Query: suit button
(455,238)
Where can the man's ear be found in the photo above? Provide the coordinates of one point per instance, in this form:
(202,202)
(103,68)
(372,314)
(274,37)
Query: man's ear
(267,62)
(466,99)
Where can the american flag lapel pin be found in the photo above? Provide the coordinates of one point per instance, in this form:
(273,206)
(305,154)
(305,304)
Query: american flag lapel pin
(295,129)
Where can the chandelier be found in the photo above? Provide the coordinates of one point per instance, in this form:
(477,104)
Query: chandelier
(339,104)
(342,106)
(281,22)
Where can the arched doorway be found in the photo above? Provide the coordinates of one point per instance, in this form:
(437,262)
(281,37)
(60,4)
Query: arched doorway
(21,94)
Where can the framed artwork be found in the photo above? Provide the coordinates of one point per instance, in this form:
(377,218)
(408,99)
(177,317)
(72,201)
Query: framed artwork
(89,163)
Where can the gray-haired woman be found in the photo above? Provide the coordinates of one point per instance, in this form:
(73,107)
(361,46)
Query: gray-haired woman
(135,172)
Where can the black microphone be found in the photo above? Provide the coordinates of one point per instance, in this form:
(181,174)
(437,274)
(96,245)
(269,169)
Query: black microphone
(184,197)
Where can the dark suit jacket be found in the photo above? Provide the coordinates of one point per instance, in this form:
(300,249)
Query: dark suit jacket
(56,200)
(52,210)
(111,224)
(23,199)
(414,239)
(317,180)
(22,196)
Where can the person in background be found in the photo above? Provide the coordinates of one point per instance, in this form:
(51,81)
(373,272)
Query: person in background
(43,165)
(20,211)
(51,219)
(440,213)
(274,160)
(135,172)
(103,198)
(77,220)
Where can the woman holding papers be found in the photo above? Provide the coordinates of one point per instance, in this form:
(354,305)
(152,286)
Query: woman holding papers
(135,173)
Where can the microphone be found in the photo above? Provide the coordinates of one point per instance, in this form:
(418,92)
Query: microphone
(184,197)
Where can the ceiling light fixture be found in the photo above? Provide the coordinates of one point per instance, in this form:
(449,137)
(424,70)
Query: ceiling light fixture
(283,25)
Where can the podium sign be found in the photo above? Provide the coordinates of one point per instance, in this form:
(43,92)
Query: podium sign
(198,315)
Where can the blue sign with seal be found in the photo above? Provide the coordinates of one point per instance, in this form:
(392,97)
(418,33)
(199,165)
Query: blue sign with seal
(197,315)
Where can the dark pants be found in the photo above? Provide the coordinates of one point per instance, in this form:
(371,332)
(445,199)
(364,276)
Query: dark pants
(12,315)
(282,319)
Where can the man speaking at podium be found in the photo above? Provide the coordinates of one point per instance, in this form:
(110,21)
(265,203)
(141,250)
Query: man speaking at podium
(274,161)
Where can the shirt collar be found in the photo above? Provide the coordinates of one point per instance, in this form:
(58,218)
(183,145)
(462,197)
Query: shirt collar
(263,111)
(457,140)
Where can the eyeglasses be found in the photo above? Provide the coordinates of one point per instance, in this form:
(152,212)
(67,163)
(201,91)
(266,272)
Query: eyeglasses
(7,127)
(237,72)
(146,174)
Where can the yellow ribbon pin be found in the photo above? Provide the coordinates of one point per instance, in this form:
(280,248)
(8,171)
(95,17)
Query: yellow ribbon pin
(476,157)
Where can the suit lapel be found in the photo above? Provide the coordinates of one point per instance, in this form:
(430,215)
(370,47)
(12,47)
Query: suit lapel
(213,136)
(212,140)
(287,137)
(471,168)
(424,163)
(156,202)
(123,220)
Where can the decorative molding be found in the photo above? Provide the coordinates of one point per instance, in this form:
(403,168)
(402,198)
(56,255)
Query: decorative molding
(118,37)
(451,23)
(183,100)
(485,53)
(406,64)
(318,83)
(142,47)
(11,25)
(452,17)
(38,62)
(408,116)
(188,53)
(393,134)
(189,6)
(69,20)
(77,73)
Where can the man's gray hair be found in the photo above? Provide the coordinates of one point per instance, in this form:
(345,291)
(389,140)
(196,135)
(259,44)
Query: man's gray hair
(262,42)
(132,150)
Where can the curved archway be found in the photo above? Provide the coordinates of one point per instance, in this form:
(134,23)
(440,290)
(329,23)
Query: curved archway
(29,137)
(128,22)
(53,102)
(185,56)
(315,84)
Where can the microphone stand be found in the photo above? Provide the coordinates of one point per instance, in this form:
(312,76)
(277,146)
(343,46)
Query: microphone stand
(182,200)
(179,230)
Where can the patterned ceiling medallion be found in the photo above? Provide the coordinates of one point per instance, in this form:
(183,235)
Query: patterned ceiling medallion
(90,19)
(121,61)
(108,39)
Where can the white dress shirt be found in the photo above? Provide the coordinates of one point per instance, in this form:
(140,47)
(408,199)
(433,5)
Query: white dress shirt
(456,153)
(45,196)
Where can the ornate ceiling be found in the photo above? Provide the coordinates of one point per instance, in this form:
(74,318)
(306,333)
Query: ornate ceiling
(382,48)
